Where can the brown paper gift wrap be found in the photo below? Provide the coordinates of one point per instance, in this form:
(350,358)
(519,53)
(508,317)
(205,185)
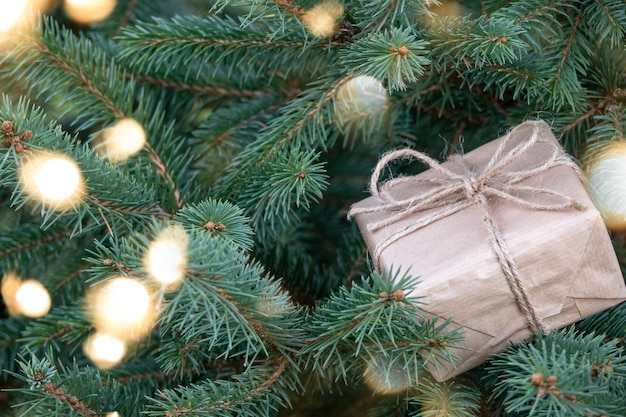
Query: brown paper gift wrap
(564,257)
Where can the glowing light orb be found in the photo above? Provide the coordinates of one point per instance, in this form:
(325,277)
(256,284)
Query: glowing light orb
(122,140)
(440,10)
(87,12)
(33,300)
(10,284)
(166,259)
(122,308)
(113,414)
(104,351)
(323,19)
(385,377)
(607,185)
(54,179)
(11,12)
(359,98)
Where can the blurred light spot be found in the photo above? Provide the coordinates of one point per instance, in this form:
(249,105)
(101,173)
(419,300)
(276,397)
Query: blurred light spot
(122,308)
(103,350)
(54,179)
(359,98)
(10,13)
(33,299)
(166,259)
(385,377)
(607,185)
(323,19)
(122,140)
(87,12)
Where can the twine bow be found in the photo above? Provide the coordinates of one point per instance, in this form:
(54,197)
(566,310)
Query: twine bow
(453,192)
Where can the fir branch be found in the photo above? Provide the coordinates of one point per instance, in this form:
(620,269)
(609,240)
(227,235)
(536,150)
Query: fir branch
(63,396)
(132,4)
(34,243)
(291,7)
(207,90)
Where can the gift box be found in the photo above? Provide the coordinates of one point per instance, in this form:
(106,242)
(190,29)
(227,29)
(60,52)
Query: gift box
(505,240)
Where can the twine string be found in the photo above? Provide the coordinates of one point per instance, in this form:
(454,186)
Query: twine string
(452,192)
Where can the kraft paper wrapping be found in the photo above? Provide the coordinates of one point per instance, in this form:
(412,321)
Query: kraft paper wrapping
(565,258)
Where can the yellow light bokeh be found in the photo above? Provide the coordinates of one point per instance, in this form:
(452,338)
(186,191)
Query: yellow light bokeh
(359,98)
(104,350)
(607,185)
(87,12)
(33,299)
(166,259)
(113,414)
(122,308)
(323,19)
(11,283)
(54,179)
(442,9)
(386,378)
(122,140)
(11,12)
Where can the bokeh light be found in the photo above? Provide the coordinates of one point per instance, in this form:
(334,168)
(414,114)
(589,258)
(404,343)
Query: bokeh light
(11,282)
(440,11)
(323,19)
(607,184)
(11,11)
(122,308)
(33,299)
(87,12)
(103,350)
(113,414)
(122,140)
(359,98)
(15,16)
(166,259)
(385,376)
(54,179)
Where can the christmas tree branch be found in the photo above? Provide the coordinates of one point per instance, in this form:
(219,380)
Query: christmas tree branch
(63,396)
(132,4)
(291,7)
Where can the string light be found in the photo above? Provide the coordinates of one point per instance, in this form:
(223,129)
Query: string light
(54,179)
(359,98)
(607,184)
(166,259)
(10,284)
(33,299)
(11,12)
(122,308)
(122,140)
(323,19)
(385,377)
(87,12)
(104,350)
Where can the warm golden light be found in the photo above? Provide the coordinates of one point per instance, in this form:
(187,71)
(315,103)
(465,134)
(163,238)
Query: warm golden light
(104,351)
(10,13)
(10,284)
(122,140)
(33,299)
(166,259)
(87,12)
(607,185)
(442,9)
(54,179)
(359,98)
(122,308)
(323,19)
(113,414)
(385,377)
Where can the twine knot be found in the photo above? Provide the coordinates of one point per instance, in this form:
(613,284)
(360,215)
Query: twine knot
(451,192)
(472,186)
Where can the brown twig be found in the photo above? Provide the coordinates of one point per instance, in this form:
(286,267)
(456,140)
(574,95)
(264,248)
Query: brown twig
(32,244)
(291,7)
